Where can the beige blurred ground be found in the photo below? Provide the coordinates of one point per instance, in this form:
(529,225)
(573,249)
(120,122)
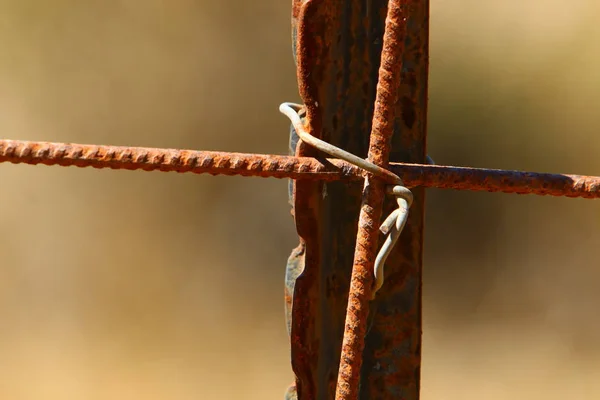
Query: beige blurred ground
(127,285)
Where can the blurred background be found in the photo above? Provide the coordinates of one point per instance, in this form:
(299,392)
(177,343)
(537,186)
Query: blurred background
(121,285)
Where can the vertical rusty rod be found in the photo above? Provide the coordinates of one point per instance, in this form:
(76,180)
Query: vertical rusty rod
(372,203)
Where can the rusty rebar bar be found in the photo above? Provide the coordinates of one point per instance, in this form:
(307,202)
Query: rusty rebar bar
(172,160)
(305,168)
(361,283)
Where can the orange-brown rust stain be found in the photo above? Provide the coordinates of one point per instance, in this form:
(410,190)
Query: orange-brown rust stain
(304,308)
(391,368)
(337,49)
(336,85)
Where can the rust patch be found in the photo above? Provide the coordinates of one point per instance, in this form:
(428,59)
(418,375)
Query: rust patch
(361,284)
(297,168)
(338,52)
(391,367)
(336,70)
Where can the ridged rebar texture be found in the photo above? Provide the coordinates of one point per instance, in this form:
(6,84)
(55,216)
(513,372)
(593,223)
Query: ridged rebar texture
(495,180)
(361,283)
(303,168)
(151,159)
(306,168)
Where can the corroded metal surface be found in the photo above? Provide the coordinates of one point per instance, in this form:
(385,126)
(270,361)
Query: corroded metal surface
(495,180)
(338,49)
(337,45)
(150,159)
(361,284)
(298,168)
(392,355)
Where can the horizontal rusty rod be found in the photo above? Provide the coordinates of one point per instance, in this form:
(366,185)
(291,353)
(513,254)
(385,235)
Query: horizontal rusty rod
(174,160)
(274,166)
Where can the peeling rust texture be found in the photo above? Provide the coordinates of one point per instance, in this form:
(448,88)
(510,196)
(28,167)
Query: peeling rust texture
(392,355)
(337,72)
(338,51)
(151,159)
(495,180)
(298,168)
(361,283)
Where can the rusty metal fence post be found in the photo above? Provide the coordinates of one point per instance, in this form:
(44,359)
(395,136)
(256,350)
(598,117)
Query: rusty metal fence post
(338,47)
(397,355)
(357,71)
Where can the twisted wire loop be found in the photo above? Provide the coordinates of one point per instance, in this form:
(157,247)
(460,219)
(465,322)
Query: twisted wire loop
(392,226)
(291,111)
